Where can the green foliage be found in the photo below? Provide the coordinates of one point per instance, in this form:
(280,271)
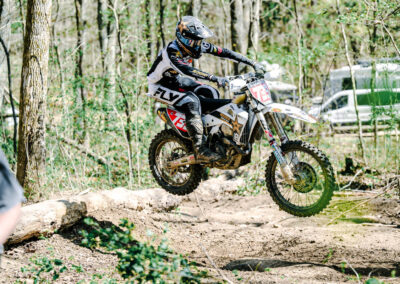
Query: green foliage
(112,120)
(253,186)
(141,261)
(44,270)
(6,139)
(237,276)
(328,256)
(373,281)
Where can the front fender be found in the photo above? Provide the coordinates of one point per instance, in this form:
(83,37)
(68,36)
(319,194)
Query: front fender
(291,111)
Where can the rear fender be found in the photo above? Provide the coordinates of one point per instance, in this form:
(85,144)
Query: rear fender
(175,119)
(288,110)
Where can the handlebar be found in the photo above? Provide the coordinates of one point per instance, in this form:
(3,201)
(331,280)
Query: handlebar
(248,77)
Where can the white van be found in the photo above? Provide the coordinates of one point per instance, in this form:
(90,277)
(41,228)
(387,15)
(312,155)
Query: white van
(339,109)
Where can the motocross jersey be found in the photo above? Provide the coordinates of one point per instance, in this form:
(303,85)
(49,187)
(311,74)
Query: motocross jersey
(170,62)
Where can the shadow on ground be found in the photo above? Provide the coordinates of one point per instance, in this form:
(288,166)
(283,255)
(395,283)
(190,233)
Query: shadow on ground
(261,265)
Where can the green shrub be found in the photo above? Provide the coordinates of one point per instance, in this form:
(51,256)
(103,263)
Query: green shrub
(141,261)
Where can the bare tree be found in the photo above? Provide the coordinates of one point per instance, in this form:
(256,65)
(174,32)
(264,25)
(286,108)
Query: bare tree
(162,34)
(299,47)
(244,40)
(373,37)
(79,90)
(110,58)
(195,8)
(353,83)
(255,25)
(56,50)
(102,28)
(236,27)
(153,30)
(5,69)
(32,109)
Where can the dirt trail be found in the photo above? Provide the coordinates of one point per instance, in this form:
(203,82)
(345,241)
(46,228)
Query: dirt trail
(248,234)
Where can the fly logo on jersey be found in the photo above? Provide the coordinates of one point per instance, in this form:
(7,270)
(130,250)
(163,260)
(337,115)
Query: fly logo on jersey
(167,95)
(178,119)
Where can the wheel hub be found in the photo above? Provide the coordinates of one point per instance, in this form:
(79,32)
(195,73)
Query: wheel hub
(176,154)
(306,177)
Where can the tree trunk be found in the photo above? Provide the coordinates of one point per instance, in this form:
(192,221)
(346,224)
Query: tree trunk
(80,122)
(21,13)
(32,109)
(110,58)
(45,217)
(196,7)
(147,29)
(299,57)
(102,29)
(236,28)
(162,23)
(372,49)
(244,40)
(255,25)
(5,69)
(56,50)
(153,30)
(5,32)
(353,82)
(226,34)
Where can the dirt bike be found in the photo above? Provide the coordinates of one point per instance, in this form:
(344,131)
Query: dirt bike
(298,176)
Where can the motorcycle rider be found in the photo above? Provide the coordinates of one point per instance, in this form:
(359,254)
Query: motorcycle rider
(175,60)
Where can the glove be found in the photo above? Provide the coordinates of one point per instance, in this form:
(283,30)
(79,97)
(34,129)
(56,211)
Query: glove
(259,68)
(221,81)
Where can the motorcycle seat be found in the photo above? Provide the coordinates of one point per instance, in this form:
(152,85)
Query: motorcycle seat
(209,105)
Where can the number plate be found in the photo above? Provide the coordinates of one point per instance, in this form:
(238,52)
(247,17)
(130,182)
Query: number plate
(260,91)
(178,119)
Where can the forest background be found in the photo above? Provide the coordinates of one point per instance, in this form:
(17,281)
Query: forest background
(93,120)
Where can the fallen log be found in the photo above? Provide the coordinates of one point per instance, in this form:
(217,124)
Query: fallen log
(43,218)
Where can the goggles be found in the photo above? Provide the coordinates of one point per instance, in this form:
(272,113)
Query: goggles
(195,44)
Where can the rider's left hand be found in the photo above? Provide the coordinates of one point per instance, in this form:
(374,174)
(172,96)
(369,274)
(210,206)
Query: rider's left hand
(221,81)
(259,68)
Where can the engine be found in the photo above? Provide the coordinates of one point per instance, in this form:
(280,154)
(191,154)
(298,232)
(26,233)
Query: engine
(227,131)
(219,142)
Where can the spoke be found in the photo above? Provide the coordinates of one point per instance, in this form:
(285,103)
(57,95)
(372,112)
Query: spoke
(169,151)
(287,191)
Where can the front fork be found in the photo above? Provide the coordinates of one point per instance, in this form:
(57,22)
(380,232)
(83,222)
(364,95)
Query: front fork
(285,168)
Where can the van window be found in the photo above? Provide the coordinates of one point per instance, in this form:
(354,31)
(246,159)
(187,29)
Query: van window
(381,98)
(347,84)
(337,103)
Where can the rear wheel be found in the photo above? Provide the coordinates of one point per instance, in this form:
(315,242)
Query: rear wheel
(165,147)
(315,181)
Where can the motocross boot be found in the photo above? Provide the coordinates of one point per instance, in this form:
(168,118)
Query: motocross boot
(194,126)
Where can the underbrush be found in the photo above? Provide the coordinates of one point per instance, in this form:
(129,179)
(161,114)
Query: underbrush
(151,261)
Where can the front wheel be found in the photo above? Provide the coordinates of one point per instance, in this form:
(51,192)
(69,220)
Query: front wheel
(313,173)
(165,147)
